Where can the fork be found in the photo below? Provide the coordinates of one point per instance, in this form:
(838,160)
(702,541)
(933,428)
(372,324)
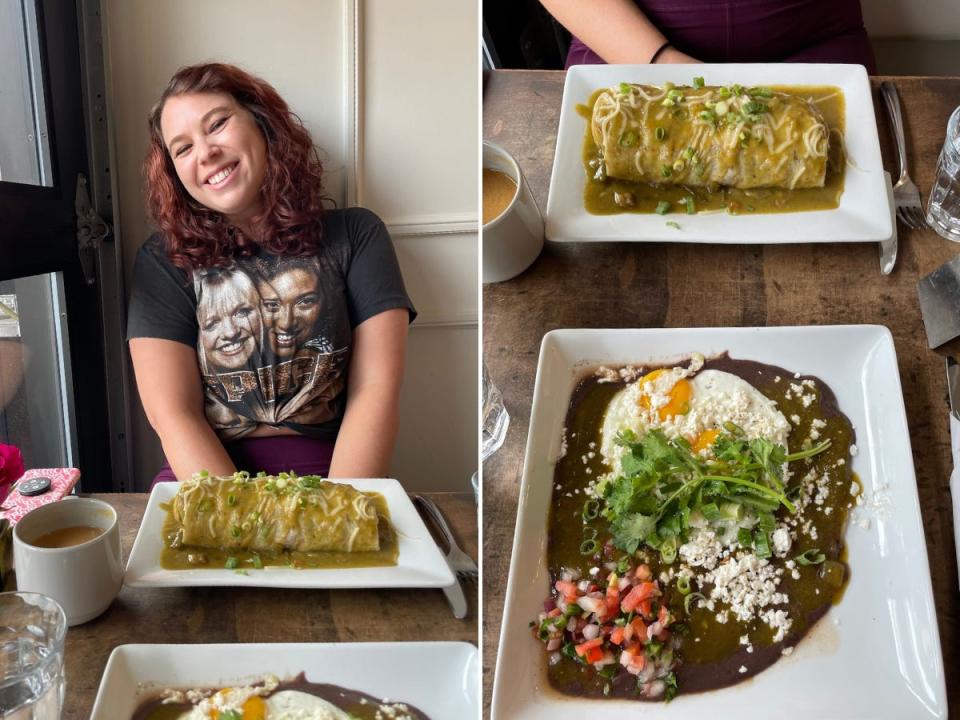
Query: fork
(458,560)
(905,193)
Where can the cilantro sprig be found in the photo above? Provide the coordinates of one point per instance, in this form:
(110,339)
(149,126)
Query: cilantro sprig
(662,481)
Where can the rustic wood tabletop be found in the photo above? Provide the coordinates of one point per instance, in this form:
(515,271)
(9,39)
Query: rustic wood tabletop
(610,285)
(258,615)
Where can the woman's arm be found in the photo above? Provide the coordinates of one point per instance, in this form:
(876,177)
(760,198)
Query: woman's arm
(617,30)
(369,429)
(172,395)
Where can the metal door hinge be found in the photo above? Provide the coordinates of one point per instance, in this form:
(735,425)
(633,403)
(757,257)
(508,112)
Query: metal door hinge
(92,230)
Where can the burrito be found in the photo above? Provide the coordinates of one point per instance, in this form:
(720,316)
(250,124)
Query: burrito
(274,514)
(702,136)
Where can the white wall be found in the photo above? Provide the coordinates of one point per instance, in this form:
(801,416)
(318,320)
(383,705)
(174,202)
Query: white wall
(359,74)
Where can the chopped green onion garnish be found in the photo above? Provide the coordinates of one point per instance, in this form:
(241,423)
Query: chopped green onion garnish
(689,599)
(668,550)
(625,88)
(707,115)
(628,139)
(724,92)
(731,511)
(235,531)
(711,512)
(678,165)
(722,108)
(675,226)
(589,547)
(666,171)
(590,509)
(668,86)
(660,133)
(668,102)
(691,208)
(688,154)
(663,207)
(755,108)
(698,82)
(744,538)
(762,544)
(257,562)
(231,563)
(683,584)
(231,500)
(767,521)
(810,557)
(760,92)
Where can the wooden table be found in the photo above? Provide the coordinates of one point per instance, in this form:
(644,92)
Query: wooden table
(248,615)
(609,285)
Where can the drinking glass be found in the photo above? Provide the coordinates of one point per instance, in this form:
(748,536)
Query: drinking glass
(495,418)
(32,629)
(943,207)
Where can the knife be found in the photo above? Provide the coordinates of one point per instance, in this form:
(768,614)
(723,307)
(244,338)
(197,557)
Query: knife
(454,593)
(953,387)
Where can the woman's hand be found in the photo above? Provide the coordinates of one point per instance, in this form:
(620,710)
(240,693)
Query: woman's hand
(168,379)
(369,430)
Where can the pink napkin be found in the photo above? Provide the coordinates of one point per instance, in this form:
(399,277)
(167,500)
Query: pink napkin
(62,481)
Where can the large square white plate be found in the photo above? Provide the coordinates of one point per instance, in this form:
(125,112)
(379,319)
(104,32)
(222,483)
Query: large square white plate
(863,214)
(419,564)
(440,678)
(875,655)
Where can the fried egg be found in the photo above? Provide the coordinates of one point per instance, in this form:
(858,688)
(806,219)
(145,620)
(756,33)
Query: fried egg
(245,703)
(694,405)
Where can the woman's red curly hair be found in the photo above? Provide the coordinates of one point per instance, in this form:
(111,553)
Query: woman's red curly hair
(293,200)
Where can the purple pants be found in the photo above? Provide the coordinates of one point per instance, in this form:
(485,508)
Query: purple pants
(281,453)
(720,31)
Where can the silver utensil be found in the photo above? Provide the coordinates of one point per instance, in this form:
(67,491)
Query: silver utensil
(905,192)
(953,387)
(888,248)
(457,559)
(939,294)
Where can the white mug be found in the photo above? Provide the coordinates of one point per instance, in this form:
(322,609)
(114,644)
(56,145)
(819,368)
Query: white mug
(83,578)
(512,240)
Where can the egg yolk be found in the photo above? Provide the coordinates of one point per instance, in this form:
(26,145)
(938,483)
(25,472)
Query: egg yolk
(679,396)
(254,708)
(705,439)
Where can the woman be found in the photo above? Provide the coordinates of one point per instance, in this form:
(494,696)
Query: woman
(234,186)
(689,31)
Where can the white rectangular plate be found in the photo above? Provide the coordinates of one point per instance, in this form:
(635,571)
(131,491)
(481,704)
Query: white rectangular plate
(863,214)
(419,564)
(874,655)
(440,678)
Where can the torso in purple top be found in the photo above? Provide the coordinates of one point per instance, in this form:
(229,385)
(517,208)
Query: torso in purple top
(810,31)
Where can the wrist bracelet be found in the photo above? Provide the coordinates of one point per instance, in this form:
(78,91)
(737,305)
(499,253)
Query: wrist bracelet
(659,50)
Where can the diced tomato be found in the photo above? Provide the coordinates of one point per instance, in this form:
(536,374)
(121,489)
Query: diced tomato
(646,608)
(633,660)
(643,573)
(613,598)
(585,647)
(594,655)
(664,616)
(556,612)
(616,637)
(567,589)
(639,594)
(639,629)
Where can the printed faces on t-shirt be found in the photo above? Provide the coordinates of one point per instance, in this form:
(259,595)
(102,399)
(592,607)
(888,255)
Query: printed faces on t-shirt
(268,344)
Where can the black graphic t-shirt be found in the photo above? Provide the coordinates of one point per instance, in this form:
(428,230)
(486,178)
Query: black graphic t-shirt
(272,333)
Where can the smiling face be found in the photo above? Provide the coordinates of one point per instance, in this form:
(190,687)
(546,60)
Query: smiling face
(291,307)
(219,152)
(230,324)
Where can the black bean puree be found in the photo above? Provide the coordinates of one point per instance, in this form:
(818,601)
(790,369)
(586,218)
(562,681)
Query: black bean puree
(710,654)
(356,703)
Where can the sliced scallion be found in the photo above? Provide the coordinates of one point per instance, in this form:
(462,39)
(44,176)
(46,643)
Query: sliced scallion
(698,82)
(660,133)
(691,207)
(762,544)
(689,600)
(744,538)
(812,556)
(683,584)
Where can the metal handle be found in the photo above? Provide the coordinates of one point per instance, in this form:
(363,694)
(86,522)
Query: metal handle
(434,512)
(892,100)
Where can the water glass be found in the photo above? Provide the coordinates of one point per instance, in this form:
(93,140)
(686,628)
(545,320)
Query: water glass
(32,629)
(495,418)
(943,207)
